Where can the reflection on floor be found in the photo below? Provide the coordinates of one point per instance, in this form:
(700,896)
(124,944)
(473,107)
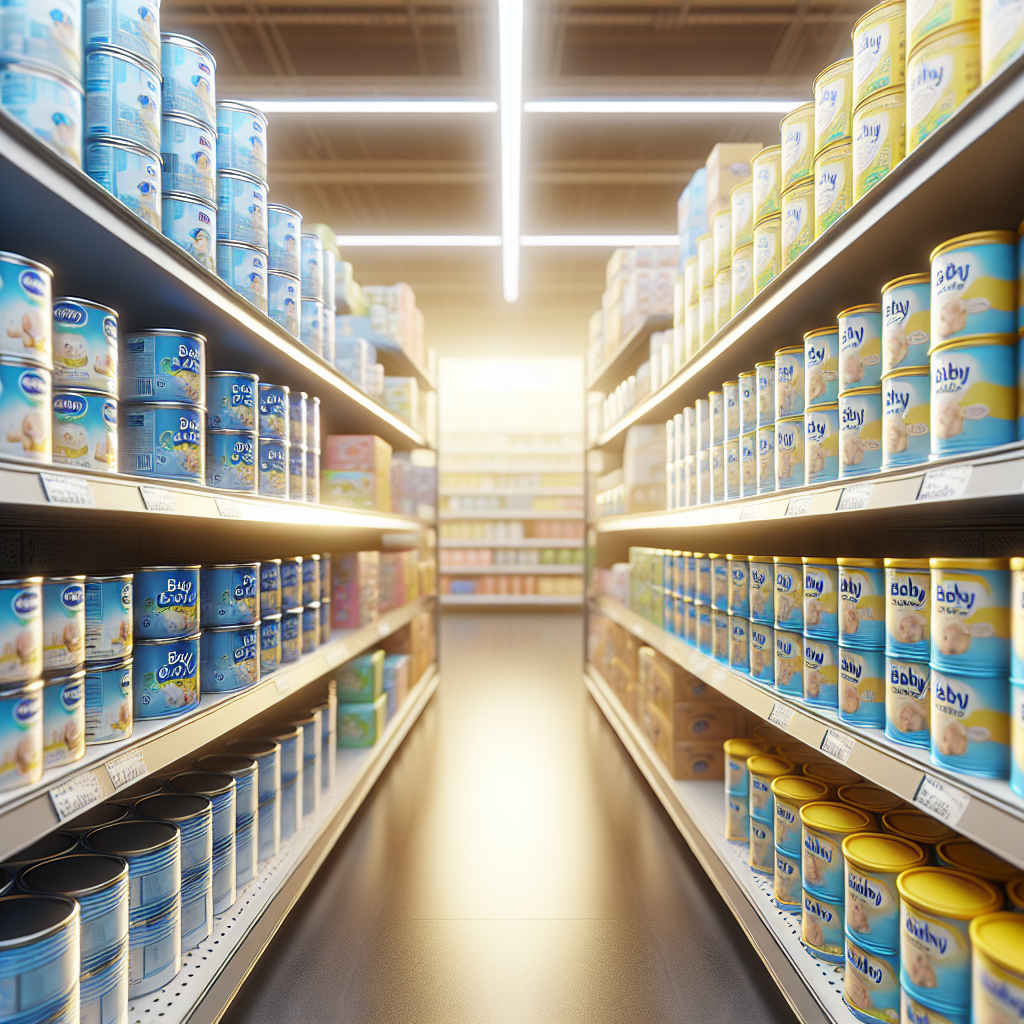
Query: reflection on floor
(511,865)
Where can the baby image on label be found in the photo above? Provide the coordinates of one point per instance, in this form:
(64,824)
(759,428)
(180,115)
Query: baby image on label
(821,359)
(789,452)
(908,702)
(230,658)
(48,105)
(164,366)
(970,724)
(860,347)
(973,286)
(762,591)
(871,986)
(84,345)
(787,884)
(21,629)
(821,439)
(24,410)
(822,927)
(861,603)
(85,430)
(166,602)
(189,73)
(833,184)
(906,322)
(165,678)
(63,622)
(821,598)
(970,620)
(25,320)
(906,413)
(821,672)
(789,594)
(860,432)
(64,720)
(21,735)
(862,687)
(907,608)
(108,702)
(766,459)
(192,223)
(789,662)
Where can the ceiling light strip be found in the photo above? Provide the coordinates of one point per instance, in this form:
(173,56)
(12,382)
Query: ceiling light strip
(510,44)
(375,106)
(594,241)
(493,241)
(660,106)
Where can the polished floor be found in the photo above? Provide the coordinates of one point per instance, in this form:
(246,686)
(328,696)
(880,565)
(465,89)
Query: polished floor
(511,865)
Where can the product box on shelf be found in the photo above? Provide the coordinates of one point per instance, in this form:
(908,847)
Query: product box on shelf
(356,471)
(355,589)
(728,165)
(643,466)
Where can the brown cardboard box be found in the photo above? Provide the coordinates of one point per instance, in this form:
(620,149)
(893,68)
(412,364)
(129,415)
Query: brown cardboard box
(698,759)
(703,722)
(727,166)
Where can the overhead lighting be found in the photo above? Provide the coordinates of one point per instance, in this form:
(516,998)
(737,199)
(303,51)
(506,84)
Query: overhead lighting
(375,106)
(660,106)
(510,59)
(418,241)
(594,241)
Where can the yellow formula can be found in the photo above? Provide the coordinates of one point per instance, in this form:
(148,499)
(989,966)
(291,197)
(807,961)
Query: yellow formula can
(762,768)
(766,182)
(833,184)
(737,778)
(767,252)
(691,283)
(1002,35)
(825,826)
(871,799)
(742,277)
(879,49)
(797,220)
(997,968)
(797,130)
(723,298)
(942,71)
(917,826)
(791,793)
(721,241)
(741,201)
(963,855)
(832,774)
(833,103)
(925,17)
(706,315)
(705,261)
(879,138)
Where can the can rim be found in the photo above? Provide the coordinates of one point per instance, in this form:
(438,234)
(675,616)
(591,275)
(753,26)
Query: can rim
(58,678)
(138,404)
(235,627)
(872,97)
(177,115)
(813,560)
(230,172)
(122,143)
(789,349)
(802,109)
(159,332)
(861,563)
(819,332)
(871,863)
(188,197)
(807,181)
(861,391)
(107,666)
(823,405)
(826,151)
(17,258)
(246,107)
(66,922)
(167,568)
(85,302)
(291,277)
(231,565)
(898,7)
(906,563)
(941,33)
(21,581)
(899,282)
(165,641)
(974,238)
(72,893)
(127,55)
(907,371)
(972,340)
(831,69)
(188,43)
(41,67)
(967,564)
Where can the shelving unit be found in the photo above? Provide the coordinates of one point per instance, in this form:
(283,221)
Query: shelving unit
(510,600)
(519,570)
(625,359)
(513,514)
(526,542)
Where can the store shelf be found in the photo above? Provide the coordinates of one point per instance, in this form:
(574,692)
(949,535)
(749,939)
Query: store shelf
(526,542)
(630,354)
(812,988)
(575,466)
(539,492)
(98,249)
(512,515)
(214,971)
(993,815)
(510,600)
(398,363)
(28,813)
(510,570)
(976,156)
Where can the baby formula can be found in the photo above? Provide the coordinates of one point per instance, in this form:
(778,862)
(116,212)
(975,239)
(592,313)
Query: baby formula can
(789,381)
(242,205)
(242,139)
(766,459)
(702,569)
(291,780)
(833,184)
(833,103)
(192,224)
(270,587)
(325,618)
(738,585)
(739,643)
(1002,36)
(162,365)
(765,383)
(821,672)
(285,235)
(998,975)
(312,266)
(189,77)
(762,653)
(742,277)
(311,327)
(906,396)
(942,71)
(21,629)
(970,615)
(63,623)
(879,50)
(283,302)
(824,827)
(907,702)
(733,464)
(291,582)
(85,430)
(166,602)
(188,153)
(766,178)
(705,262)
(906,323)
(871,987)
(165,677)
(862,687)
(311,578)
(741,203)
(748,465)
(48,35)
(122,98)
(219,789)
(762,589)
(64,719)
(737,818)
(820,597)
(108,702)
(25,311)
(731,406)
(705,633)
(244,770)
(273,467)
(821,359)
(131,27)
(790,793)
(970,724)
(721,241)
(273,410)
(231,460)
(973,286)
(787,887)
(860,432)
(267,754)
(797,220)
(908,608)
(297,473)
(716,459)
(130,173)
(860,347)
(230,658)
(789,662)
(936,907)
(162,439)
(929,16)
(230,594)
(722,298)
(788,593)
(720,636)
(797,132)
(761,852)
(737,776)
(862,603)
(917,826)
(747,390)
(270,644)
(46,104)
(822,926)
(767,252)
(108,617)
(879,138)
(1017,620)
(789,452)
(25,415)
(231,400)
(84,345)
(244,268)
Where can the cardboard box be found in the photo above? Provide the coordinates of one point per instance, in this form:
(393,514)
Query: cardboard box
(362,724)
(703,721)
(355,589)
(727,166)
(364,452)
(361,680)
(697,759)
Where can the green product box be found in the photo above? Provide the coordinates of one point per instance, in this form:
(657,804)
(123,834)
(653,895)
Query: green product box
(361,680)
(361,725)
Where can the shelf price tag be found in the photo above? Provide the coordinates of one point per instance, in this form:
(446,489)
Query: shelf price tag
(854,497)
(837,744)
(940,799)
(228,509)
(126,767)
(747,513)
(71,797)
(157,499)
(781,715)
(65,489)
(799,505)
(945,484)
(286,682)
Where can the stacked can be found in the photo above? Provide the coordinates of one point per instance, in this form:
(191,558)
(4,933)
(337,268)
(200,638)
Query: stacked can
(231,627)
(284,284)
(907,648)
(298,427)
(789,793)
(330,303)
(716,419)
(762,619)
(719,607)
(747,393)
(721,244)
(313,449)
(789,620)
(705,289)
(312,740)
(311,326)
(796,229)
(862,627)
(231,430)
(691,299)
(789,417)
(162,429)
(1017,675)
(291,608)
(290,796)
(731,427)
(704,630)
(310,603)
(272,441)
(821,632)
(328,737)
(270,616)
(739,613)
(766,168)
(21,685)
(325,596)
(109,632)
(762,769)
(267,755)
(860,390)
(737,788)
(765,387)
(702,451)
(741,205)
(833,146)
(243,769)
(821,405)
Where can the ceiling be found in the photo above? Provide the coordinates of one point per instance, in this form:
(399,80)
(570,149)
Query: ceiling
(439,174)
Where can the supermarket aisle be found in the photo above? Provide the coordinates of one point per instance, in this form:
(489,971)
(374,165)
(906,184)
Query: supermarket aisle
(511,865)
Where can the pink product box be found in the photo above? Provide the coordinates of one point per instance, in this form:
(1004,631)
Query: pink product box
(355,591)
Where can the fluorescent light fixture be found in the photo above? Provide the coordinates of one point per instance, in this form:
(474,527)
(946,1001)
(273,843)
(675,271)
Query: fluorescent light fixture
(418,241)
(375,106)
(593,241)
(510,59)
(660,106)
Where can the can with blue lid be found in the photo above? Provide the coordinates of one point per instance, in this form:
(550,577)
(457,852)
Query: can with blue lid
(166,602)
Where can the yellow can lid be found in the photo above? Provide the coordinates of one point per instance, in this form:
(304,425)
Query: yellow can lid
(796,789)
(819,332)
(808,560)
(686,554)
(894,10)
(798,752)
(975,238)
(837,70)
(736,558)
(743,748)
(826,816)
(948,893)
(867,307)
(1001,938)
(788,350)
(900,282)
(861,563)
(769,766)
(759,558)
(764,362)
(965,855)
(906,563)
(768,150)
(831,773)
(917,826)
(1016,564)
(799,113)
(969,564)
(1015,892)
(748,184)
(707,237)
(872,851)
(869,798)
(699,554)
(972,341)
(786,559)
(713,554)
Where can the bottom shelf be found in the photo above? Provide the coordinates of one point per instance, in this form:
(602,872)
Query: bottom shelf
(812,988)
(518,600)
(212,973)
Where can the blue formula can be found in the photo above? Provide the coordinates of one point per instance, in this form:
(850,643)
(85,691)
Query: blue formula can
(786,883)
(273,473)
(298,420)
(906,437)
(21,734)
(907,608)
(860,347)
(270,587)
(822,927)
(242,205)
(862,687)
(821,360)
(130,173)
(871,986)
(63,623)
(166,602)
(242,139)
(860,432)
(25,310)
(273,411)
(244,269)
(108,702)
(230,658)
(762,589)
(821,443)
(311,627)
(189,74)
(291,779)
(311,739)
(291,583)
(21,629)
(192,225)
(297,472)
(291,635)
(267,754)
(25,410)
(163,365)
(283,301)
(789,593)
(821,672)
(821,598)
(163,439)
(231,400)
(312,266)
(762,653)
(311,579)
(862,603)
(970,724)
(243,770)
(219,789)
(311,327)
(906,323)
(103,990)
(789,662)
(739,643)
(230,594)
(313,475)
(270,644)
(765,381)
(84,345)
(738,585)
(231,461)
(46,104)
(908,702)
(188,152)
(165,677)
(85,430)
(122,98)
(970,616)
(134,27)
(64,719)
(45,33)
(325,619)
(285,234)
(108,617)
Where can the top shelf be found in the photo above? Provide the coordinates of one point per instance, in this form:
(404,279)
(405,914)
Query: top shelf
(97,248)
(966,177)
(629,355)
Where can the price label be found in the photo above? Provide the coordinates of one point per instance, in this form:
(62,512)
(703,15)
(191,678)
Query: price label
(855,497)
(286,682)
(65,489)
(837,744)
(383,628)
(781,715)
(945,484)
(715,517)
(941,800)
(747,513)
(157,499)
(228,509)
(126,767)
(72,797)
(799,505)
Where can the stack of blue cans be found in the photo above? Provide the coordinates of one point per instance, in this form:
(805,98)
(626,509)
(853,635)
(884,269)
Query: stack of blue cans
(231,627)
(267,755)
(219,789)
(292,762)
(231,449)
(272,441)
(311,743)
(311,324)
(243,769)
(285,289)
